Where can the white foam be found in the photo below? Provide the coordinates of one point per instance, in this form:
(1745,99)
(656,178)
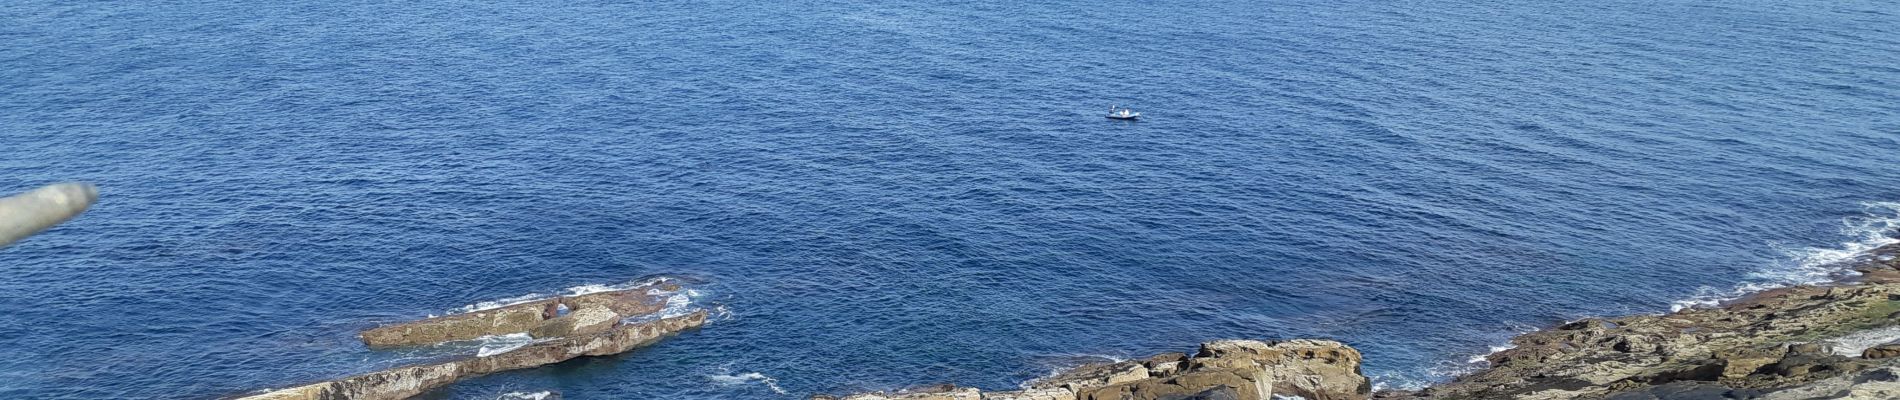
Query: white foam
(1852,344)
(542,395)
(1485,358)
(1709,296)
(678,303)
(1074,361)
(572,291)
(1878,226)
(746,378)
(1446,369)
(497,344)
(1481,361)
(1396,381)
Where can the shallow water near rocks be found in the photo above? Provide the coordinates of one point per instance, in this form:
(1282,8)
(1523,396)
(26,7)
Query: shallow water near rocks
(882,194)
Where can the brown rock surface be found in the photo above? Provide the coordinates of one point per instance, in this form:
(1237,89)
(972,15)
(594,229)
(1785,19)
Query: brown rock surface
(404,382)
(1094,375)
(1887,350)
(516,318)
(500,321)
(1237,369)
(585,321)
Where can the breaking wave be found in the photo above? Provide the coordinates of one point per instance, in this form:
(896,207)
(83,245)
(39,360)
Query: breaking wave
(1444,370)
(678,303)
(746,378)
(1483,359)
(1056,364)
(572,291)
(1878,226)
(497,344)
(1852,344)
(541,395)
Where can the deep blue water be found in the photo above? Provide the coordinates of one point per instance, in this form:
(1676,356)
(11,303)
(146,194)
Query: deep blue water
(890,193)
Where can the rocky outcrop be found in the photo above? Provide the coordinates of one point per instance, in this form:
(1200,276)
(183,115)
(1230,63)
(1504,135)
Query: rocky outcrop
(404,382)
(536,317)
(1769,343)
(1227,369)
(599,324)
(1775,345)
(1314,369)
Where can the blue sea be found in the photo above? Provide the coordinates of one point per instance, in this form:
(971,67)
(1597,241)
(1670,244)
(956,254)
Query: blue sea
(879,194)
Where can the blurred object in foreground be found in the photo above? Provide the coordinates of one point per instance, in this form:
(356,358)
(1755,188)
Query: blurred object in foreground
(31,212)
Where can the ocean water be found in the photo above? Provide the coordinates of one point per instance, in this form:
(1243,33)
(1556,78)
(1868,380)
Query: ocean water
(879,194)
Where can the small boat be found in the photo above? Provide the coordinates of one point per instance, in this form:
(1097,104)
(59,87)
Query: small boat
(1118,112)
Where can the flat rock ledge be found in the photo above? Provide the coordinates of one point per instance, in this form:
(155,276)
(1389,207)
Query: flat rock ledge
(404,382)
(595,324)
(536,317)
(1226,369)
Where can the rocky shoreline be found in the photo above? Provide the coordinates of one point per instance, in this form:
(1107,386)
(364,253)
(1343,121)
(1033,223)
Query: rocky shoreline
(1226,369)
(1787,343)
(1839,340)
(1776,344)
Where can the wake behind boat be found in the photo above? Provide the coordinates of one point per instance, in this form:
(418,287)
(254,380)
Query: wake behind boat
(1123,113)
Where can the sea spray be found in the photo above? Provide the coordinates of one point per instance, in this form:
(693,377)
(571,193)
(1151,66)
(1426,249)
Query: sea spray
(541,395)
(1878,226)
(746,378)
(497,344)
(1056,364)
(1852,344)
(678,303)
(1449,368)
(568,292)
